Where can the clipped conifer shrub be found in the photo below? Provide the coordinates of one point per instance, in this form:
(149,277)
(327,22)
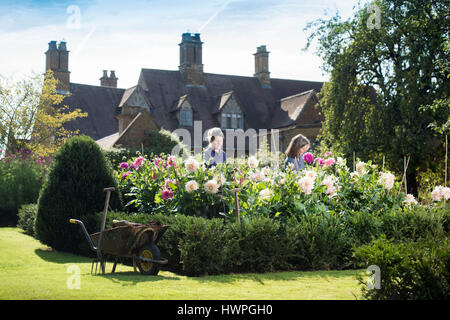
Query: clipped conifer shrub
(74,189)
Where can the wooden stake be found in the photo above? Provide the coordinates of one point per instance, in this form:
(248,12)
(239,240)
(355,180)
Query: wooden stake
(404,175)
(404,166)
(354,164)
(383,163)
(236,199)
(446,158)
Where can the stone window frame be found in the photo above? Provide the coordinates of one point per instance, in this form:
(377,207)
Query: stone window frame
(186,117)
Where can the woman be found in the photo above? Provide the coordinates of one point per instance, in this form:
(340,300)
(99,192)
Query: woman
(294,152)
(214,153)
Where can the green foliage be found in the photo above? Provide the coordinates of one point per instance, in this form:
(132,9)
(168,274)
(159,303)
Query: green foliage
(21,176)
(27,217)
(162,143)
(74,189)
(265,191)
(382,79)
(417,223)
(201,250)
(320,242)
(258,244)
(313,241)
(409,270)
(431,177)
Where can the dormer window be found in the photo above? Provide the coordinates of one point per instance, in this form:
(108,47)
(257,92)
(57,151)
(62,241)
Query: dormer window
(230,112)
(185,117)
(232,120)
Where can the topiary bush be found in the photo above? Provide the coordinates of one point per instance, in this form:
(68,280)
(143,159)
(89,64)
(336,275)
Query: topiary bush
(74,189)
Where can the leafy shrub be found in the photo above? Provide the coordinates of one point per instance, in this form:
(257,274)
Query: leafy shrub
(409,270)
(198,246)
(362,227)
(416,223)
(258,244)
(21,178)
(320,242)
(74,189)
(201,248)
(27,217)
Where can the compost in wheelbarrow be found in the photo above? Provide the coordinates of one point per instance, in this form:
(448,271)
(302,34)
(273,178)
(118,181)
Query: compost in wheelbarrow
(125,238)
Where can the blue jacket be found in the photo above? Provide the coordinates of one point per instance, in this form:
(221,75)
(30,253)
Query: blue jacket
(299,163)
(211,158)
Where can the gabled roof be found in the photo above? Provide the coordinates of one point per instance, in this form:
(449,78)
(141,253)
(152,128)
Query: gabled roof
(165,88)
(222,101)
(131,95)
(290,108)
(100,103)
(180,103)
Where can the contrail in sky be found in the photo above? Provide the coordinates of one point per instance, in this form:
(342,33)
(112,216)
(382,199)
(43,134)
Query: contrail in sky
(214,15)
(83,42)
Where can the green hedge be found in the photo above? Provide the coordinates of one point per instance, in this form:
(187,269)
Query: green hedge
(408,270)
(199,246)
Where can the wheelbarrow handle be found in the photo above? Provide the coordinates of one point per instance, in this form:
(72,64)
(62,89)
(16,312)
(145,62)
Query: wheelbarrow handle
(88,237)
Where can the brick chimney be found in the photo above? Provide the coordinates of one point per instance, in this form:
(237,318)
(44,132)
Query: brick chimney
(262,66)
(110,81)
(57,60)
(191,66)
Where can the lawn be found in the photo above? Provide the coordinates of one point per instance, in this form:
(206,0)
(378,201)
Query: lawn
(30,270)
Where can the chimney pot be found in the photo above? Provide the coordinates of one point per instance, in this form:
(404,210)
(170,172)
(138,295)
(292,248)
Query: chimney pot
(52,45)
(62,46)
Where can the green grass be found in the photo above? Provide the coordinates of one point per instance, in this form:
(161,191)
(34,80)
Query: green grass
(30,270)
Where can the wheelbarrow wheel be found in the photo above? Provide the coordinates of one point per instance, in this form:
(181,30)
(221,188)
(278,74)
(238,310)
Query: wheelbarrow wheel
(149,251)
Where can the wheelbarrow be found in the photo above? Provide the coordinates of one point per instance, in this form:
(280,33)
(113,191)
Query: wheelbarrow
(126,240)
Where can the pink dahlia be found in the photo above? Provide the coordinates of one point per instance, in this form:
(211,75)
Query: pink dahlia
(166,194)
(125,174)
(308,157)
(329,162)
(320,160)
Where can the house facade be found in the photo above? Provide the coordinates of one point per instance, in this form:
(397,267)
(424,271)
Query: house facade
(189,101)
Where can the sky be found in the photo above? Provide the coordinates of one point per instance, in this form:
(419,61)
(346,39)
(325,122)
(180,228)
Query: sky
(127,36)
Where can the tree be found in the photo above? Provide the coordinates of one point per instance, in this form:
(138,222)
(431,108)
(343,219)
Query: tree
(31,115)
(381,74)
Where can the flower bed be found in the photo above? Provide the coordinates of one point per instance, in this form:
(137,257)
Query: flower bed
(170,185)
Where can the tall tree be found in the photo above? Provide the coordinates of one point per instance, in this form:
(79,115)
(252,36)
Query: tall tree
(32,115)
(385,66)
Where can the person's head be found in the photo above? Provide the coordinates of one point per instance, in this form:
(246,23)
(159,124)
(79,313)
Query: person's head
(215,138)
(298,145)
